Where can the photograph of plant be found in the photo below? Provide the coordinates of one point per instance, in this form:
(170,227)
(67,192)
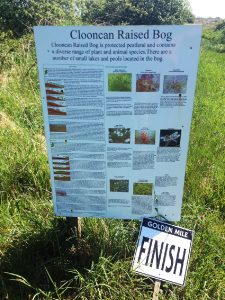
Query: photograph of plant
(142,188)
(119,82)
(145,137)
(57,127)
(58,98)
(55,104)
(118,185)
(56,111)
(61,168)
(119,135)
(147,82)
(55,91)
(170,138)
(175,84)
(61,193)
(54,85)
(62,178)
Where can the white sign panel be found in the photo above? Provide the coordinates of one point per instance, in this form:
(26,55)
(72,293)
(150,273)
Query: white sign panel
(163,251)
(117,105)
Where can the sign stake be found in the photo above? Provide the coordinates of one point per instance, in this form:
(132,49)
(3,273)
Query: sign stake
(156,290)
(74,224)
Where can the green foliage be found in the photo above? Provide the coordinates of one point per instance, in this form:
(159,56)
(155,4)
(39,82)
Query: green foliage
(119,82)
(21,15)
(26,170)
(220,25)
(21,122)
(103,281)
(214,38)
(205,170)
(135,12)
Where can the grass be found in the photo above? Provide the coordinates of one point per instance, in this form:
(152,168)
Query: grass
(41,257)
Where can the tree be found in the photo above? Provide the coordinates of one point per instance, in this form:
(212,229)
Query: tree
(20,16)
(136,12)
(220,29)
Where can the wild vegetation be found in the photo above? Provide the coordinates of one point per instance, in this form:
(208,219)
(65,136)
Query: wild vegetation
(42,258)
(19,16)
(133,12)
(214,38)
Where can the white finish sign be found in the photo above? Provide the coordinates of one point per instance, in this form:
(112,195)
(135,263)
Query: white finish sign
(163,251)
(117,105)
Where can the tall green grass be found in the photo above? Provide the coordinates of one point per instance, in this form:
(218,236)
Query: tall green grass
(41,256)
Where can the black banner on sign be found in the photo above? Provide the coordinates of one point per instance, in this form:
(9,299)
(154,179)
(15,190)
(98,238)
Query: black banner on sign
(168,228)
(163,251)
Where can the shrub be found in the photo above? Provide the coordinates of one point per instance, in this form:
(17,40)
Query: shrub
(21,15)
(137,12)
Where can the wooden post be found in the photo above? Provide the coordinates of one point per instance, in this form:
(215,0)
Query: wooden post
(74,224)
(156,290)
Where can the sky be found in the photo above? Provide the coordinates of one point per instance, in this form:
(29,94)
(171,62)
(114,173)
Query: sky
(208,8)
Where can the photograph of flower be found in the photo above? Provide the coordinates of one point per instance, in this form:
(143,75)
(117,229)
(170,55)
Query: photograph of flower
(147,82)
(145,137)
(119,135)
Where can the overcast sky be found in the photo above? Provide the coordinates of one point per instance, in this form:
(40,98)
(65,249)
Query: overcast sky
(208,8)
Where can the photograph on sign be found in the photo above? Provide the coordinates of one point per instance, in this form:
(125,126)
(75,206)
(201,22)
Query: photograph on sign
(117,104)
(163,251)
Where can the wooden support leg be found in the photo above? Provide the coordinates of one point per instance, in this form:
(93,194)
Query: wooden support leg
(74,223)
(156,290)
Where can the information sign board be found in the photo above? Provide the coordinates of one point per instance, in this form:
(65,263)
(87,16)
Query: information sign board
(117,105)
